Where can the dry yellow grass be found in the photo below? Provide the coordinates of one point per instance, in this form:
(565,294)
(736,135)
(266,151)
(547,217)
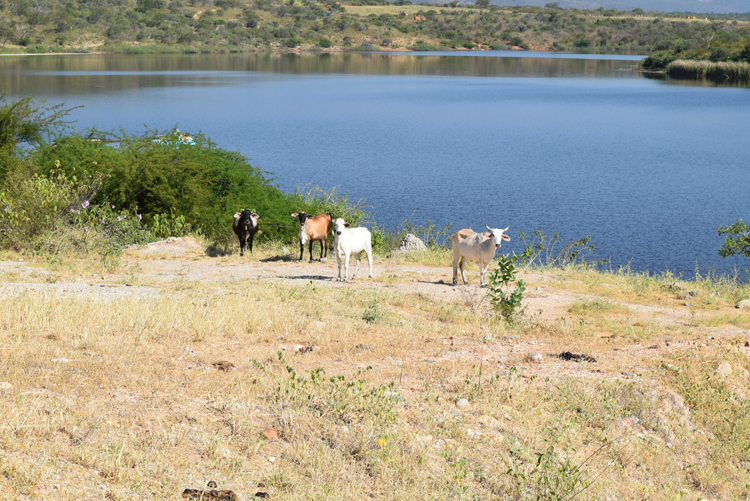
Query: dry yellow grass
(113,391)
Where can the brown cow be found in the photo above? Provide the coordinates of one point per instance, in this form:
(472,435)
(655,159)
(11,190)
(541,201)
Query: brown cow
(312,229)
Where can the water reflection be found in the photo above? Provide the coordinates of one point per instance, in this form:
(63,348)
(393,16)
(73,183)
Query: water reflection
(47,73)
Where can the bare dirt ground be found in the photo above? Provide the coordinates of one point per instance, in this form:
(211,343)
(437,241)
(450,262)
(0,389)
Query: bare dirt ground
(155,269)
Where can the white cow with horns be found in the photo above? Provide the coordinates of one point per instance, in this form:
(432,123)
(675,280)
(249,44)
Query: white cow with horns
(348,241)
(473,246)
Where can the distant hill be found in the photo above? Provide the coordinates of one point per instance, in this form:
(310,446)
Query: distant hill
(702,6)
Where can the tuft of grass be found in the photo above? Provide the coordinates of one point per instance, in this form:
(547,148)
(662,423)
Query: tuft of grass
(597,306)
(719,71)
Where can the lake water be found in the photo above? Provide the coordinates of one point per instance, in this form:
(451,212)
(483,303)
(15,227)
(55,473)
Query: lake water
(575,144)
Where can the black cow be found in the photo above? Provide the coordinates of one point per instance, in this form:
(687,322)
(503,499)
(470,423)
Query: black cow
(245,226)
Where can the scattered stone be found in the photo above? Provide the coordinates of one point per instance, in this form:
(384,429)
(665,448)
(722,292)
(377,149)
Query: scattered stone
(5,387)
(189,350)
(629,374)
(745,303)
(271,459)
(271,434)
(462,403)
(298,348)
(411,243)
(212,494)
(566,355)
(224,365)
(724,369)
(62,360)
(361,346)
(690,294)
(531,342)
(534,357)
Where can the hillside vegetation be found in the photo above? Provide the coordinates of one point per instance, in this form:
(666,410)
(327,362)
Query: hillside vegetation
(231,25)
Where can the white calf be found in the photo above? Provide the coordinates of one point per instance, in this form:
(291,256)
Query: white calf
(348,241)
(472,246)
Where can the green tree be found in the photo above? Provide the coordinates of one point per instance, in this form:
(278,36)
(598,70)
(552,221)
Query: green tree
(737,239)
(27,121)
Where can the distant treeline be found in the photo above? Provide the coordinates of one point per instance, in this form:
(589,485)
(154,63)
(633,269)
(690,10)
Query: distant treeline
(234,26)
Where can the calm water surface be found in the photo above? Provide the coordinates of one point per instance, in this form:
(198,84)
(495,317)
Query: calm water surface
(568,143)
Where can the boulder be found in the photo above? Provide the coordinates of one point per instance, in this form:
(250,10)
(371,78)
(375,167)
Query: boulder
(745,303)
(411,243)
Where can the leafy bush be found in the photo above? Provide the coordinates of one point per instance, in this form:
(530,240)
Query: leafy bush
(737,239)
(169,174)
(503,300)
(53,214)
(324,42)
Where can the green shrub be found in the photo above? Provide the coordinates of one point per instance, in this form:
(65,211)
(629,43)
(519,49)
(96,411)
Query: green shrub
(167,174)
(505,301)
(53,215)
(325,43)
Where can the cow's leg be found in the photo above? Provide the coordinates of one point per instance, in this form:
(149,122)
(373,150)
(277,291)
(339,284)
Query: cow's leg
(301,250)
(324,243)
(456,256)
(346,267)
(483,267)
(461,264)
(321,249)
(369,259)
(250,242)
(338,258)
(356,268)
(311,244)
(242,246)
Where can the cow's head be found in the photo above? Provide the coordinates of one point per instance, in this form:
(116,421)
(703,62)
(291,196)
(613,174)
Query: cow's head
(339,226)
(248,219)
(498,234)
(302,216)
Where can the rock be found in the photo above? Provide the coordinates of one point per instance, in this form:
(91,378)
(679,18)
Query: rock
(745,303)
(724,369)
(411,243)
(5,387)
(690,294)
(271,434)
(62,360)
(223,365)
(462,403)
(534,357)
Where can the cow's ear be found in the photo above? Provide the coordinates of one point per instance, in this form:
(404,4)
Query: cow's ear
(506,237)
(237,215)
(295,215)
(256,216)
(347,225)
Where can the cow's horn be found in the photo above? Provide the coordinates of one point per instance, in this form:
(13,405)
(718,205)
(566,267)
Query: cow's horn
(486,226)
(506,229)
